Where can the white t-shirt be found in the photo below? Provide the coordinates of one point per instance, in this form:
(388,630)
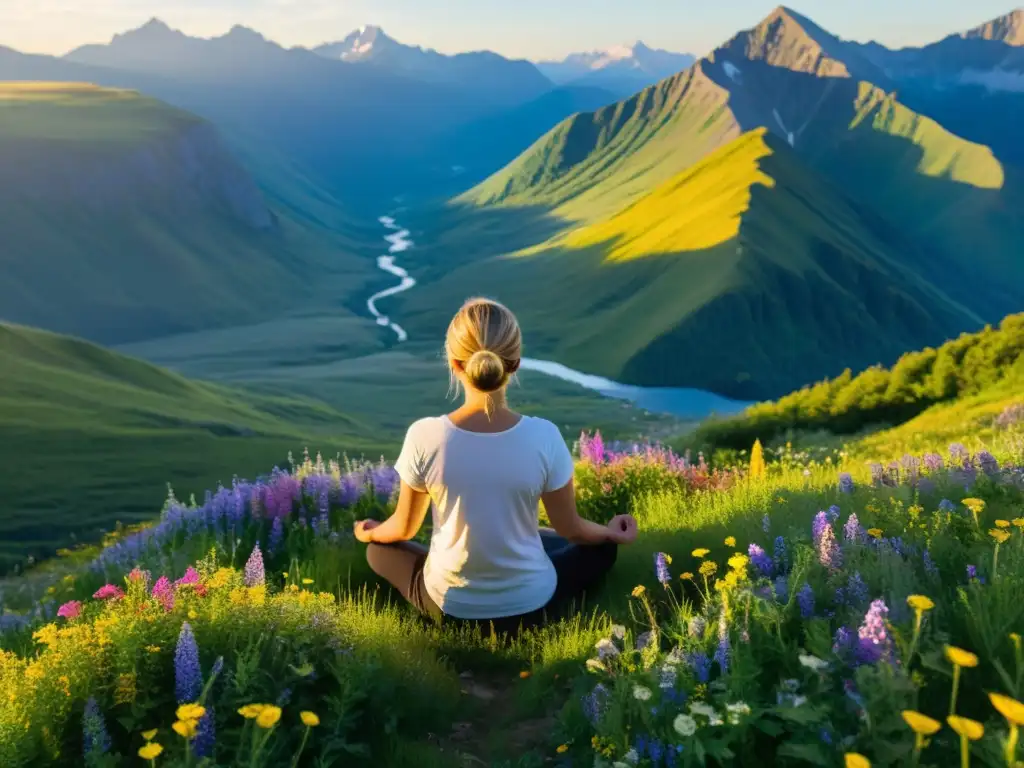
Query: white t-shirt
(486,559)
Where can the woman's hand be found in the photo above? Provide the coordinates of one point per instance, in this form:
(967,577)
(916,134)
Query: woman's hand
(622,529)
(362,530)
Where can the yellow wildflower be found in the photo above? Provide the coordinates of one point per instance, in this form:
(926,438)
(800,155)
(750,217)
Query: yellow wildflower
(960,657)
(875,533)
(562,748)
(285,574)
(1002,523)
(149,735)
(1009,708)
(151,751)
(975,505)
(687,575)
(268,717)
(190,712)
(920,603)
(708,568)
(999,535)
(856,760)
(668,558)
(739,561)
(1019,522)
(153,648)
(921,724)
(701,552)
(964,726)
(730,541)
(524,674)
(307,581)
(251,711)
(639,590)
(185,728)
(192,614)
(309,719)
(293,587)
(1015,639)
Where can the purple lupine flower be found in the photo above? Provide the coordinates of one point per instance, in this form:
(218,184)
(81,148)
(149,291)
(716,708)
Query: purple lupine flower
(655,750)
(95,739)
(217,668)
(988,463)
(766,523)
(843,642)
(163,592)
(856,590)
(958,455)
(947,506)
(845,482)
(760,559)
(722,653)
(805,599)
(701,665)
(188,676)
(255,575)
(819,524)
(877,473)
(930,568)
(595,702)
(661,568)
(206,735)
(852,531)
(781,588)
(276,540)
(972,574)
(933,462)
(384,480)
(873,636)
(780,558)
(833,513)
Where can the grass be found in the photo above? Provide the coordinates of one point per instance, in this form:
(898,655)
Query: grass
(744,275)
(391,690)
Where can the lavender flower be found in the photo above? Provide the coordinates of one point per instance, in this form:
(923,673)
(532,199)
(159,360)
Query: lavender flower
(760,559)
(805,599)
(852,531)
(874,641)
(845,482)
(255,576)
(829,553)
(188,676)
(661,568)
(95,739)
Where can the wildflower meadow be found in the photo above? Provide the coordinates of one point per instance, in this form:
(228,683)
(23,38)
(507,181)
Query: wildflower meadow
(785,610)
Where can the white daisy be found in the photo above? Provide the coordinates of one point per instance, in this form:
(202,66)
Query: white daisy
(640,693)
(685,725)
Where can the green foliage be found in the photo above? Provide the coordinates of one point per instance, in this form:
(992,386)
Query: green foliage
(961,368)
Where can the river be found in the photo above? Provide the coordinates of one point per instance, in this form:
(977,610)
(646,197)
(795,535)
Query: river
(681,402)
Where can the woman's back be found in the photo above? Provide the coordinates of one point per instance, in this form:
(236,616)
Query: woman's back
(486,557)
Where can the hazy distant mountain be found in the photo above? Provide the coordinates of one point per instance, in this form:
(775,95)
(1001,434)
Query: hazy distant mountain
(498,78)
(623,69)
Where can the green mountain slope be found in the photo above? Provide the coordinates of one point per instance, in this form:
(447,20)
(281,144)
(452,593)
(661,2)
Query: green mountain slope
(746,274)
(787,75)
(92,437)
(124,218)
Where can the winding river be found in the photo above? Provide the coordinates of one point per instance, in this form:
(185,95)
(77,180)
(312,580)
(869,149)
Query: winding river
(681,402)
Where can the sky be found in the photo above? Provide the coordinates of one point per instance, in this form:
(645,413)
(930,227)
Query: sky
(534,29)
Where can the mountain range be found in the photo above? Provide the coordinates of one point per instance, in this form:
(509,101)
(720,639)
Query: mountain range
(623,69)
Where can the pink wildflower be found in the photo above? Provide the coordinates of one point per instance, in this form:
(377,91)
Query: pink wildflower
(108,592)
(191,577)
(164,593)
(70,610)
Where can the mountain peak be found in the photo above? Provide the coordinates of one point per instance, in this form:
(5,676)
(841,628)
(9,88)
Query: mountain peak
(1007,29)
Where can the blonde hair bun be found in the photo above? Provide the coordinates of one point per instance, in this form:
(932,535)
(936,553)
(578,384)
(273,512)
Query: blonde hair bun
(486,371)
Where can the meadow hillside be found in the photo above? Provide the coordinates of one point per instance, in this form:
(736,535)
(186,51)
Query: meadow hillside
(953,197)
(965,383)
(92,438)
(125,218)
(744,274)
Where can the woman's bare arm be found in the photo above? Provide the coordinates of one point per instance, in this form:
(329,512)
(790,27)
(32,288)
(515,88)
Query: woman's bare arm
(565,519)
(404,523)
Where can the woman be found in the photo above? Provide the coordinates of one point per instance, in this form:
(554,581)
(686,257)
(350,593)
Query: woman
(485,467)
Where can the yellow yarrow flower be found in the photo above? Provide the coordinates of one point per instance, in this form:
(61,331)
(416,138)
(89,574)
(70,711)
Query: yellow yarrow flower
(730,541)
(151,751)
(251,711)
(708,568)
(639,590)
(1002,523)
(1009,708)
(149,735)
(700,552)
(921,724)
(999,535)
(960,657)
(185,728)
(920,603)
(309,719)
(268,717)
(856,760)
(190,712)
(964,726)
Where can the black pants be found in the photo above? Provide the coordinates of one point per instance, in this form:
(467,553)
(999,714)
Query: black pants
(579,567)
